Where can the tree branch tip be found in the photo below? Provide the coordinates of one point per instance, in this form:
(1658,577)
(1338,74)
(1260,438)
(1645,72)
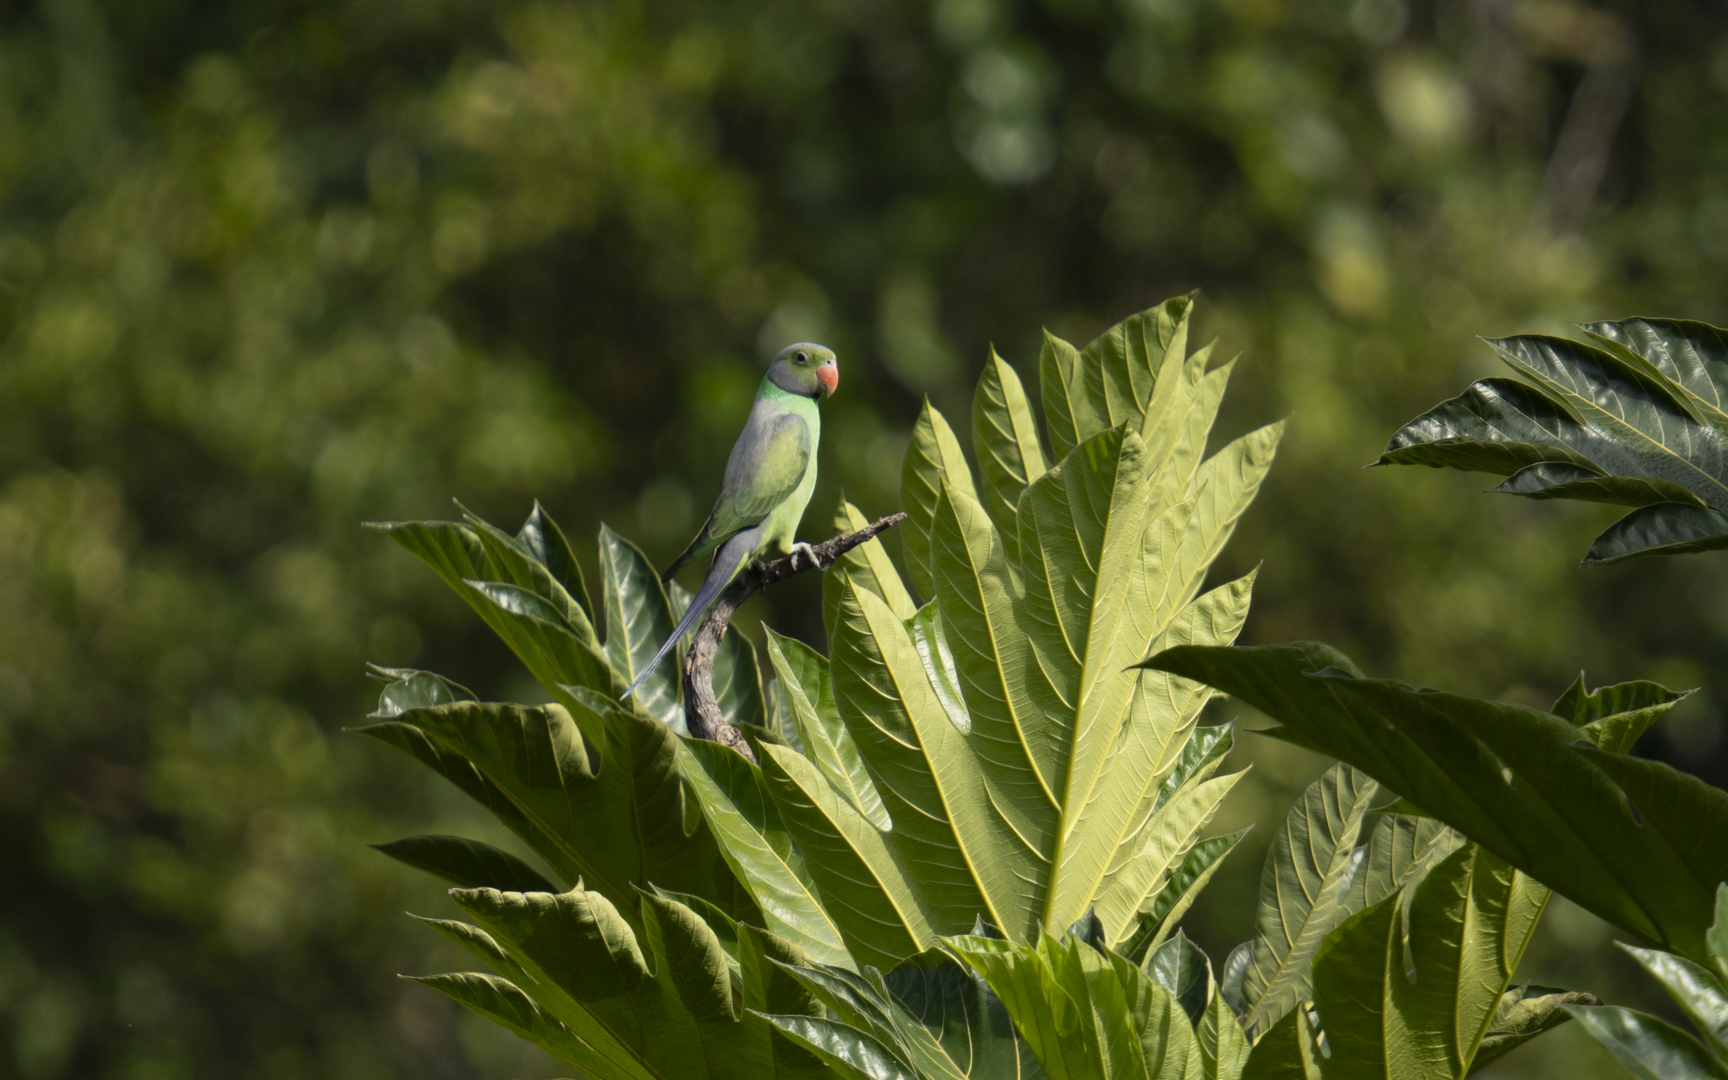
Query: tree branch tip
(701,711)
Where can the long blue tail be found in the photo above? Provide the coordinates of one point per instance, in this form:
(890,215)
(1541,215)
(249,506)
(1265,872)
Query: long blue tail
(727,562)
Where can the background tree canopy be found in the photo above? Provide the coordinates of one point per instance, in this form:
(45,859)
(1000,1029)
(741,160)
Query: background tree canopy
(271,269)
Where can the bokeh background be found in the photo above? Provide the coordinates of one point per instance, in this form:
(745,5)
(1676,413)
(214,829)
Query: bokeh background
(270,269)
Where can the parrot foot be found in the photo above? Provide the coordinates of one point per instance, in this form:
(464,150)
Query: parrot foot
(808,552)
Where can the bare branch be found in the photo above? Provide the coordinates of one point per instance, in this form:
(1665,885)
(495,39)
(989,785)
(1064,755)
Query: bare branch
(701,711)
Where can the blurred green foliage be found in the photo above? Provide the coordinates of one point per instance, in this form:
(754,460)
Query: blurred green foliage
(270,269)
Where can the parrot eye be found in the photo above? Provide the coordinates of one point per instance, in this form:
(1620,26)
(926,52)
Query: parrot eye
(803,358)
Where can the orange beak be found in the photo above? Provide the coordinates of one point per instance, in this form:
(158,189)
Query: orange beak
(829,376)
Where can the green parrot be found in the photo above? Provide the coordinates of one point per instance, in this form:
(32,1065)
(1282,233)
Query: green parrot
(769,479)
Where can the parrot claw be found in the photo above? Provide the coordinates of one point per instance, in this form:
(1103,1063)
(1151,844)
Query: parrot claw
(808,552)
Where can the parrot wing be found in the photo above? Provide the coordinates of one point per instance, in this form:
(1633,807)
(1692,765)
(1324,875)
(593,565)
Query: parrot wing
(764,470)
(768,469)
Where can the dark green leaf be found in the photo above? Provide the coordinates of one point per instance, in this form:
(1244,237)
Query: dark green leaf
(1308,873)
(1636,842)
(536,628)
(1688,356)
(1181,968)
(639,619)
(1664,529)
(455,767)
(737,680)
(1203,752)
(1287,1052)
(1651,1049)
(544,542)
(1088,929)
(405,688)
(955,1005)
(1639,423)
(468,863)
(1495,426)
(510,561)
(660,1005)
(1234,974)
(617,828)
(1410,986)
(1349,975)
(851,1053)
(1562,480)
(1695,988)
(503,1003)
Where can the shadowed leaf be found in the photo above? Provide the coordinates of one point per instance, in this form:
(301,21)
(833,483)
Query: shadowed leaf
(1649,1048)
(1638,422)
(468,863)
(1309,871)
(1638,843)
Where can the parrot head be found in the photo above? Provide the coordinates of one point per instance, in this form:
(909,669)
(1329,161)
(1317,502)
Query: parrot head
(806,369)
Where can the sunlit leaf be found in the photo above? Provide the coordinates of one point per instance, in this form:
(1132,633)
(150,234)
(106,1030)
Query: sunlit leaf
(1164,912)
(1069,416)
(1716,937)
(1005,438)
(809,689)
(1085,1014)
(759,849)
(868,564)
(934,459)
(1615,716)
